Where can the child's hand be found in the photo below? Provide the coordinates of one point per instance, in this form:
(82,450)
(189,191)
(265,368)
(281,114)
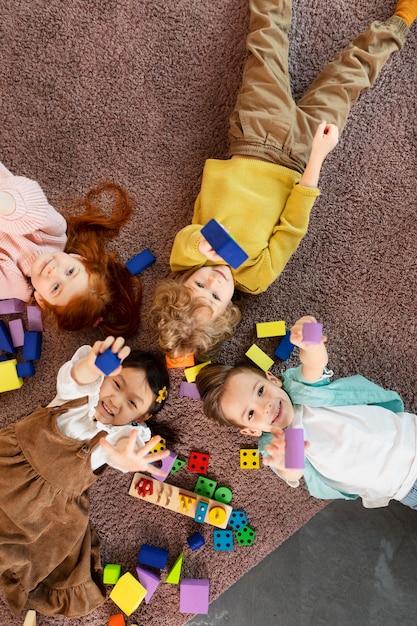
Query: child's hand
(296,336)
(85,370)
(206,250)
(276,450)
(325,139)
(128,457)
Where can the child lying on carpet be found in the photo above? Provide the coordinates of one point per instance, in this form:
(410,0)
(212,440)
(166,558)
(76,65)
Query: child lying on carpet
(359,440)
(49,553)
(81,287)
(264,193)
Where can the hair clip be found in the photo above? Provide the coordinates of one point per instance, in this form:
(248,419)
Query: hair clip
(162,394)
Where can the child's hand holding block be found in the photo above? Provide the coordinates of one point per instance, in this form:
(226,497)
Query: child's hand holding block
(312,332)
(107,362)
(294,448)
(224,244)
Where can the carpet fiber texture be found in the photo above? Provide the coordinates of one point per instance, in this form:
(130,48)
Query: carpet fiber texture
(139,92)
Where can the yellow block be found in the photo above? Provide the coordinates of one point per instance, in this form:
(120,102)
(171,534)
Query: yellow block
(249,458)
(160,446)
(30,618)
(8,376)
(259,357)
(191,372)
(128,593)
(270,329)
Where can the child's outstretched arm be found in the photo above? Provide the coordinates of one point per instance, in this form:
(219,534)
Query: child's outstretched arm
(276,456)
(313,357)
(126,455)
(325,139)
(85,371)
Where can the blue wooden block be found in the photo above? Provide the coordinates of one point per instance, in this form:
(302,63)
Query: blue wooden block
(238,519)
(140,262)
(6,342)
(26,369)
(224,244)
(107,362)
(196,541)
(154,557)
(32,346)
(201,512)
(285,347)
(223,540)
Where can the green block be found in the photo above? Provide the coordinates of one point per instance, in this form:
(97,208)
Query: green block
(174,574)
(178,464)
(245,536)
(111,574)
(205,486)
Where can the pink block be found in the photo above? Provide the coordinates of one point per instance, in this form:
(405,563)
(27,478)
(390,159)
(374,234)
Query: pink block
(166,466)
(149,580)
(34,318)
(194,596)
(312,332)
(294,448)
(17,332)
(12,305)
(189,390)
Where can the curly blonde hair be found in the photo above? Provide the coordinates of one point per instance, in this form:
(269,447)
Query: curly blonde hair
(185,324)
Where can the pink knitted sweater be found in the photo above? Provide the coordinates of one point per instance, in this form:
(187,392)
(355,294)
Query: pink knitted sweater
(32,229)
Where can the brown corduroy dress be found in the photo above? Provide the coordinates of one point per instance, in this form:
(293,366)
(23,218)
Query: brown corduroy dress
(49,554)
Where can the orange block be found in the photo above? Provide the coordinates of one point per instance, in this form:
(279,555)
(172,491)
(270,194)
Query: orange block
(184,360)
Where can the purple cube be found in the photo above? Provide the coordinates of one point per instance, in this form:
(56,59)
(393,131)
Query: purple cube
(294,448)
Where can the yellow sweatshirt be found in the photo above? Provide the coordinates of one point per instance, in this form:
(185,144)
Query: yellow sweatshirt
(261,205)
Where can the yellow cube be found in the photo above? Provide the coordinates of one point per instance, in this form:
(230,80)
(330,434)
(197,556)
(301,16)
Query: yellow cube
(249,458)
(191,372)
(259,357)
(9,379)
(270,329)
(128,593)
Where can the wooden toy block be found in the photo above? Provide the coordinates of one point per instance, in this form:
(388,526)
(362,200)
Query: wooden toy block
(223,540)
(178,464)
(180,500)
(191,372)
(196,541)
(17,332)
(152,556)
(111,573)
(284,348)
(189,390)
(294,448)
(107,362)
(270,329)
(11,305)
(34,314)
(224,244)
(6,342)
(128,593)
(30,617)
(145,487)
(150,580)
(26,369)
(160,446)
(184,360)
(174,574)
(205,486)
(9,378)
(249,458)
(217,515)
(223,494)
(198,462)
(32,346)
(200,514)
(140,262)
(166,465)
(312,332)
(259,357)
(194,596)
(117,620)
(238,520)
(245,536)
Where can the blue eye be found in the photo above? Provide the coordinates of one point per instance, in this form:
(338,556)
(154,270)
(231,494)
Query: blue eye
(70,271)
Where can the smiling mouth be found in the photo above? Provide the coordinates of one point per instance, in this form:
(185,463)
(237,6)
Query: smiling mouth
(106,409)
(278,414)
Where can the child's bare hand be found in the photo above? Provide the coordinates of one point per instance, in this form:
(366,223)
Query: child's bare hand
(325,139)
(276,450)
(206,250)
(128,457)
(296,336)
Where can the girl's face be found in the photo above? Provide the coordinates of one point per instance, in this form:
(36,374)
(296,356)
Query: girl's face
(214,284)
(124,398)
(58,277)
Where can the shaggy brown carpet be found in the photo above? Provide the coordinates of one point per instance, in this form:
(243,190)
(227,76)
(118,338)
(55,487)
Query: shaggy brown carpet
(140,92)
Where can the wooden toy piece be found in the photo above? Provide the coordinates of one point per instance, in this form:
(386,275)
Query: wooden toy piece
(111,573)
(191,372)
(285,347)
(312,332)
(184,360)
(145,487)
(189,390)
(11,305)
(238,520)
(249,458)
(9,378)
(259,357)
(32,346)
(117,620)
(140,262)
(177,499)
(294,448)
(194,596)
(30,617)
(178,464)
(26,369)
(34,314)
(224,244)
(198,462)
(6,342)
(205,486)
(17,332)
(245,536)
(217,515)
(107,362)
(196,541)
(160,446)
(223,494)
(166,465)
(174,574)
(128,593)
(152,556)
(201,512)
(150,580)
(223,540)
(270,329)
